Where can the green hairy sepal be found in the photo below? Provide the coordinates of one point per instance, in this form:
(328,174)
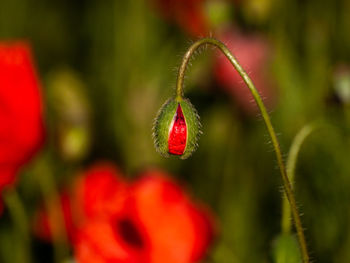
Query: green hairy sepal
(164,119)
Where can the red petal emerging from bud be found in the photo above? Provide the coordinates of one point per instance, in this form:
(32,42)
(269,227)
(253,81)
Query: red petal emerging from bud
(178,133)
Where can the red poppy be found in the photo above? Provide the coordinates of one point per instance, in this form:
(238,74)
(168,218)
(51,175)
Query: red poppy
(253,53)
(21,123)
(156,222)
(150,220)
(189,14)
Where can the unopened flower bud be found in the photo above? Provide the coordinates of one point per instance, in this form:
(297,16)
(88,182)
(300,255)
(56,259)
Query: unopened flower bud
(71,112)
(177,128)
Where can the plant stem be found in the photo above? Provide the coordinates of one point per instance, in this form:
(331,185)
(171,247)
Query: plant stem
(47,184)
(286,184)
(19,217)
(291,163)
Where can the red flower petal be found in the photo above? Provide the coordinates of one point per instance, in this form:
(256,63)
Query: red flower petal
(178,133)
(21,124)
(177,229)
(98,241)
(7,175)
(100,191)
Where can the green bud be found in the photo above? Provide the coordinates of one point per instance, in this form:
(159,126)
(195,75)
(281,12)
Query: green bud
(71,114)
(176,128)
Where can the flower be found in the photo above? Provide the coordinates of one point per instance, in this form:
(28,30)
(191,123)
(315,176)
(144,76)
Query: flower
(156,221)
(148,220)
(253,52)
(177,128)
(21,120)
(188,14)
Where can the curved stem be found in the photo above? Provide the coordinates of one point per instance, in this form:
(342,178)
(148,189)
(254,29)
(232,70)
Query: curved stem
(286,184)
(291,163)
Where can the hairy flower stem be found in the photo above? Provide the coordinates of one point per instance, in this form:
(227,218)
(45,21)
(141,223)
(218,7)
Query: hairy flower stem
(286,184)
(291,163)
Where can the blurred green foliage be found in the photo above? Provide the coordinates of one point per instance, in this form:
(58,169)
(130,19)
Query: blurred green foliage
(119,58)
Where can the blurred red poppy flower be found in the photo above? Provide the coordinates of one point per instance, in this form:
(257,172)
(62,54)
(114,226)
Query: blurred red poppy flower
(150,220)
(253,53)
(188,14)
(21,123)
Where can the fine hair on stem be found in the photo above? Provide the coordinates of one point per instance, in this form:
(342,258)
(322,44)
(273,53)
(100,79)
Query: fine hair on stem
(286,183)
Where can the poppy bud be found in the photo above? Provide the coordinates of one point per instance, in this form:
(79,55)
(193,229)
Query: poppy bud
(177,128)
